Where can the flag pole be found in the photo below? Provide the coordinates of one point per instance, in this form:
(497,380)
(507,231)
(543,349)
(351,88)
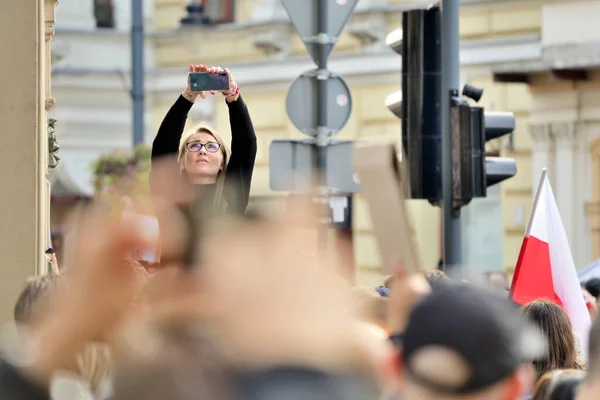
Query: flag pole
(536,199)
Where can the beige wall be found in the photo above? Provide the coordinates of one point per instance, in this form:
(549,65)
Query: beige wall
(370,119)
(24,204)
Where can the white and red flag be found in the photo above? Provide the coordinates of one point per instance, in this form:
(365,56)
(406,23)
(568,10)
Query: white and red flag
(545,268)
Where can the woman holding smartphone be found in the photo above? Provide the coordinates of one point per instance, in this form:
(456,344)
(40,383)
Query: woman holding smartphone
(220,176)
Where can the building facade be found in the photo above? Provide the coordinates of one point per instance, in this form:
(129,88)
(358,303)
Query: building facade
(27,29)
(91,73)
(512,49)
(265,54)
(564,86)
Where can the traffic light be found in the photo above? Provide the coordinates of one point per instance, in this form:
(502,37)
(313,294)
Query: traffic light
(394,101)
(473,127)
(418,104)
(467,139)
(498,169)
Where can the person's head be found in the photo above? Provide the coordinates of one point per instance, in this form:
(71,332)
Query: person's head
(436,277)
(593,287)
(560,384)
(30,303)
(590,302)
(590,386)
(555,324)
(203,156)
(497,280)
(463,342)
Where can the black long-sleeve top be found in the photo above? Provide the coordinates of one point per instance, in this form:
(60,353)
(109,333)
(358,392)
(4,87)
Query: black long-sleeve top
(15,386)
(287,383)
(243,148)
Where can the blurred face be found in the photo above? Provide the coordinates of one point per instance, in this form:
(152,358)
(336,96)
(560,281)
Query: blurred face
(203,158)
(590,303)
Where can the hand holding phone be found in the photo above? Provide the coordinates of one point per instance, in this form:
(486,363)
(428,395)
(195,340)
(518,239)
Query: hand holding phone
(204,81)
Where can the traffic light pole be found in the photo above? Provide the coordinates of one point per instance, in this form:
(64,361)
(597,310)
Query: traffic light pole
(322,135)
(450,86)
(137,70)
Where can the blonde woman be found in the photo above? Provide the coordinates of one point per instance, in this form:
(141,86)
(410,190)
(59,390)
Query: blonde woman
(221,176)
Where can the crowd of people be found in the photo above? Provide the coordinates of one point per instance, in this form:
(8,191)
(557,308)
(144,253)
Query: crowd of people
(239,309)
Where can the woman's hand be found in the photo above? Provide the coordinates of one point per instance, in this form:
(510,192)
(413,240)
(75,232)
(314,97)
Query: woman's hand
(190,95)
(406,291)
(234,90)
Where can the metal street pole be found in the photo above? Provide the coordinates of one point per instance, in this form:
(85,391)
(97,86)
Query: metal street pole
(322,131)
(450,83)
(137,70)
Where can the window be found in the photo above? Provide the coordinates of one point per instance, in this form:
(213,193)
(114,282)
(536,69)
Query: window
(104,13)
(219,11)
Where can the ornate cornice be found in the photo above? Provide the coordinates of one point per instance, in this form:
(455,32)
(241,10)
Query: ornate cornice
(592,209)
(541,134)
(49,103)
(50,8)
(564,133)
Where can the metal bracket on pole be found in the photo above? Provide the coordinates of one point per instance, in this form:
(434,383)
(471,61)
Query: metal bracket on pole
(321,74)
(315,132)
(321,38)
(322,138)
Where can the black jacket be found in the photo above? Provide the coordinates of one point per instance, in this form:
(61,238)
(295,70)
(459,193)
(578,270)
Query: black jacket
(282,383)
(243,148)
(14,386)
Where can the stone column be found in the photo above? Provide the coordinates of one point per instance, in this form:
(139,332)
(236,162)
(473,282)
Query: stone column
(23,123)
(592,207)
(564,134)
(49,24)
(543,145)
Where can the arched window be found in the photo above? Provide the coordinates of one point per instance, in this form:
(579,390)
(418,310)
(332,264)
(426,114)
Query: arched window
(104,13)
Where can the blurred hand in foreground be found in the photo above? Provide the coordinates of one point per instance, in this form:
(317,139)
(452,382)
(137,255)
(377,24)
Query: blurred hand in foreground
(406,291)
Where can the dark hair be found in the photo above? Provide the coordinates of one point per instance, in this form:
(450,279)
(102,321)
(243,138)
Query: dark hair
(31,297)
(593,286)
(555,325)
(558,385)
(434,276)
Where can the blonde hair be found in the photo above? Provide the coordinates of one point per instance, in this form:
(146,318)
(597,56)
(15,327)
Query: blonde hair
(219,199)
(33,299)
(95,365)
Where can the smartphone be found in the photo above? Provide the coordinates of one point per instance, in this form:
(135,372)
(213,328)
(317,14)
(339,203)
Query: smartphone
(200,81)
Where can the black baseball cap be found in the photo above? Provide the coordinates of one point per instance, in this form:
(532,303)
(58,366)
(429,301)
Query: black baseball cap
(482,329)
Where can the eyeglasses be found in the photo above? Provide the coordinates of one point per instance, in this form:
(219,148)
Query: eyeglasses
(211,147)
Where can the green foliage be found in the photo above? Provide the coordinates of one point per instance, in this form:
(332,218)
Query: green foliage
(123,173)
